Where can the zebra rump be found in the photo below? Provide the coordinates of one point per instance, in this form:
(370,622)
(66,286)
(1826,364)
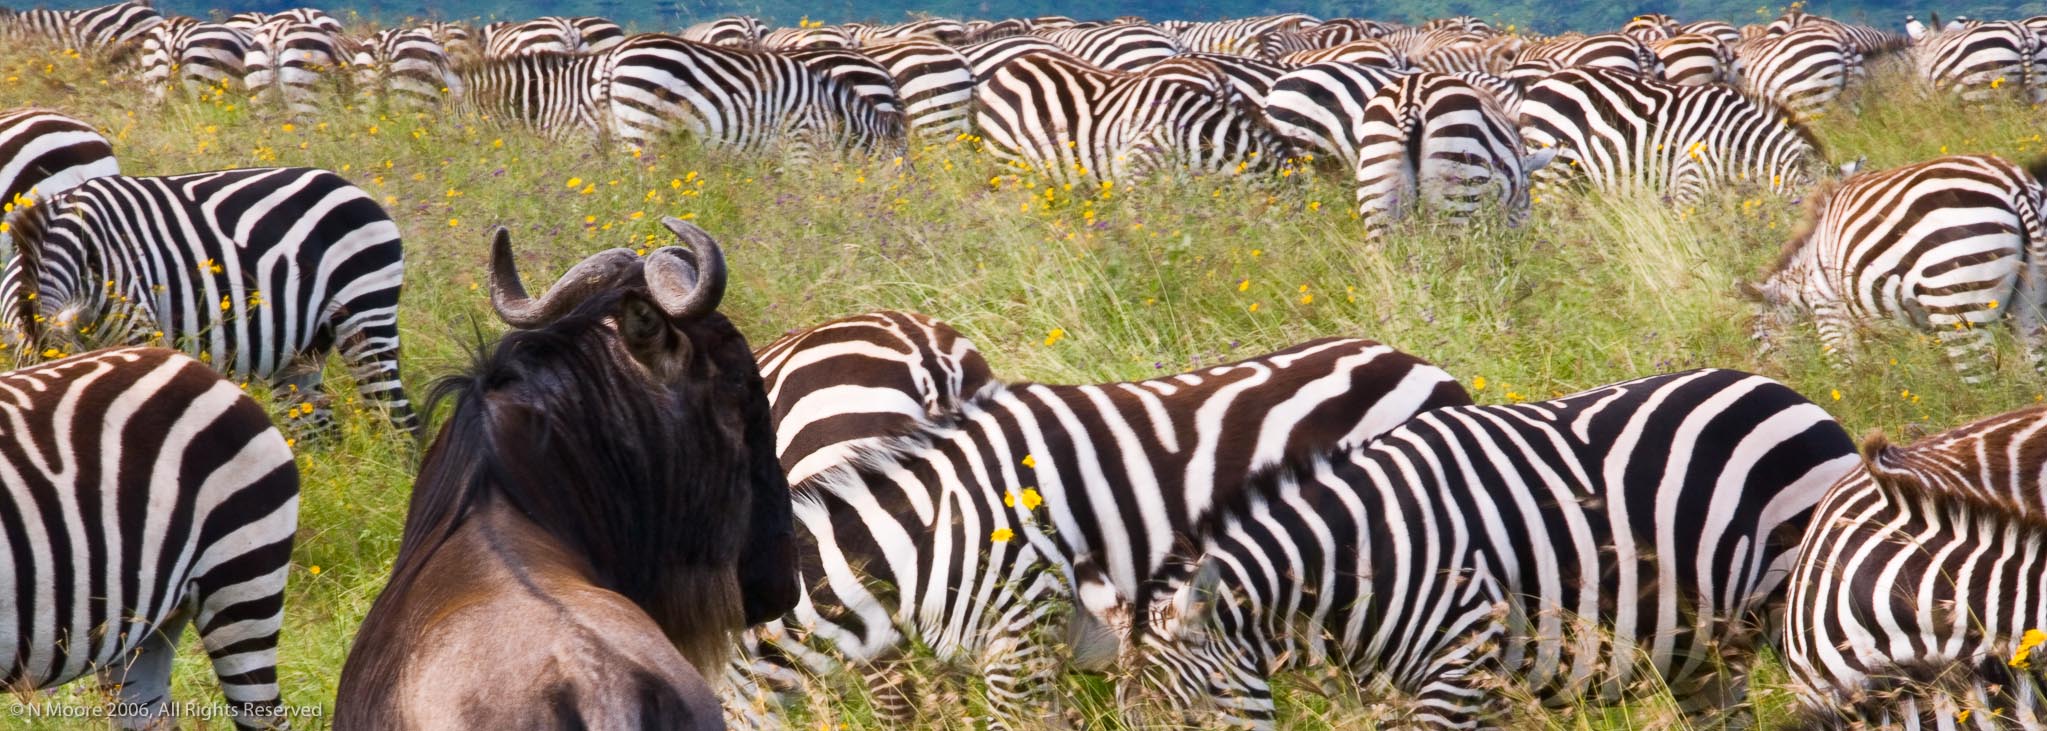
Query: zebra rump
(1437,141)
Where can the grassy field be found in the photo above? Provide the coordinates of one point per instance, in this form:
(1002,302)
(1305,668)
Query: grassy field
(1054,285)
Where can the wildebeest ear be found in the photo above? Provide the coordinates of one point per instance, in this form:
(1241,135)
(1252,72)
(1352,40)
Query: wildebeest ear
(641,324)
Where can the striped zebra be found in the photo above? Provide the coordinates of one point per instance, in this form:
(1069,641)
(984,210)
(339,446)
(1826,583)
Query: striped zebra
(308,16)
(201,56)
(1722,30)
(935,82)
(1651,27)
(551,34)
(1803,71)
(1368,52)
(1696,59)
(1862,39)
(1241,36)
(1625,133)
(857,379)
(595,34)
(1252,78)
(457,40)
(1505,94)
(983,31)
(287,62)
(557,95)
(1605,51)
(867,78)
(1038,477)
(734,31)
(985,56)
(1986,60)
(1077,123)
(95,30)
(1437,141)
(740,100)
(936,30)
(1278,45)
(800,39)
(1320,108)
(258,272)
(1460,24)
(1916,600)
(144,492)
(1953,245)
(47,153)
(407,67)
(1573,547)
(1117,47)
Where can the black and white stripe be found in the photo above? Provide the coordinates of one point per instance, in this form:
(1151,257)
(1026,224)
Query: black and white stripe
(1953,245)
(1695,59)
(44,153)
(1116,47)
(287,62)
(1919,584)
(1367,52)
(95,30)
(144,491)
(1241,36)
(1605,51)
(1984,61)
(558,95)
(202,57)
(551,34)
(935,83)
(1435,141)
(1625,133)
(1573,548)
(595,34)
(408,68)
(983,57)
(936,30)
(735,31)
(799,39)
(258,272)
(741,100)
(1319,108)
(1804,70)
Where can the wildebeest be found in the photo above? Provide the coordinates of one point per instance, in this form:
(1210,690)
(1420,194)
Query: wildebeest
(600,514)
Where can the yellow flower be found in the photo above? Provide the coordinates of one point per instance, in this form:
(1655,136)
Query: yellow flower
(2022,659)
(53,353)
(1836,393)
(1478,384)
(1009,498)
(288,127)
(575,182)
(1055,335)
(225,303)
(314,570)
(1253,307)
(1244,285)
(1001,535)
(499,142)
(453,222)
(1030,461)
(1031,498)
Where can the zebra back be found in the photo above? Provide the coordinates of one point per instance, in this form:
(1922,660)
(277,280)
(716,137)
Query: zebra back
(1116,48)
(47,153)
(1695,59)
(983,57)
(736,31)
(935,82)
(1804,70)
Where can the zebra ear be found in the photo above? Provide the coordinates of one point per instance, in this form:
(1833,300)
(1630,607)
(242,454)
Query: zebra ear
(1535,160)
(1195,603)
(1853,166)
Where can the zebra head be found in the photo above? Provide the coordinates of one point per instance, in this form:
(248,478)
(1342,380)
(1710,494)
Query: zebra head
(1195,650)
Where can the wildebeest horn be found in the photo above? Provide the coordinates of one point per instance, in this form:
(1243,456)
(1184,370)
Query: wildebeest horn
(686,283)
(601,270)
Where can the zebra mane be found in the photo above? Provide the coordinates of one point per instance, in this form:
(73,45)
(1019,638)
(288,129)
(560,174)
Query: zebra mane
(1808,221)
(1902,470)
(25,229)
(2037,167)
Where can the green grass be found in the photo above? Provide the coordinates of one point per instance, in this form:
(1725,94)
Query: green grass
(1157,279)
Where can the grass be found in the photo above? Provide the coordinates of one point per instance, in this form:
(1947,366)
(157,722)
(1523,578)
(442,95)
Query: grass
(1155,279)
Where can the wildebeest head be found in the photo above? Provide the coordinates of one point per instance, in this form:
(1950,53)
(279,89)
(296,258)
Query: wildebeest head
(624,415)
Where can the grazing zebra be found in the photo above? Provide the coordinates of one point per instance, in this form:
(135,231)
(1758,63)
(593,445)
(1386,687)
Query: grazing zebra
(1368,52)
(734,31)
(1252,78)
(457,41)
(287,61)
(408,67)
(855,379)
(1605,51)
(94,30)
(47,153)
(1695,59)
(1122,473)
(1651,27)
(308,16)
(1916,603)
(551,34)
(983,57)
(1077,123)
(1625,133)
(1321,107)
(1241,37)
(202,56)
(557,95)
(145,491)
(868,78)
(1953,244)
(1803,71)
(935,83)
(1461,24)
(597,34)
(1116,47)
(258,272)
(742,100)
(1553,546)
(1435,140)
(798,39)
(1982,61)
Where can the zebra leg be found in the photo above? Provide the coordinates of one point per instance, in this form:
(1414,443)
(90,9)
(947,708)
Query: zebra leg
(240,609)
(369,345)
(1017,668)
(308,410)
(144,682)
(892,690)
(1967,337)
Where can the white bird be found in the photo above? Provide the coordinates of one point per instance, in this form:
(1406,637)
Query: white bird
(1914,29)
(1957,23)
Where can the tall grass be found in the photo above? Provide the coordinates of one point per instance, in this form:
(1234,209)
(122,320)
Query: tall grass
(1137,282)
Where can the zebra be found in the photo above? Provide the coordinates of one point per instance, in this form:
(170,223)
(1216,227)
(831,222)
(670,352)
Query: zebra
(1279,44)
(1915,602)
(867,78)
(456,40)
(860,378)
(1252,78)
(551,34)
(1116,48)
(287,60)
(1651,27)
(1368,52)
(1696,59)
(742,100)
(1505,94)
(1436,140)
(47,153)
(1977,62)
(936,30)
(1722,30)
(1607,51)
(1804,70)
(95,30)
(1461,24)
(1625,133)
(257,272)
(308,16)
(743,32)
(1121,472)
(595,34)
(936,84)
(983,57)
(798,39)
(1077,123)
(1553,545)
(408,67)
(1952,244)
(983,31)
(1320,107)
(558,95)
(203,56)
(1242,36)
(145,492)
